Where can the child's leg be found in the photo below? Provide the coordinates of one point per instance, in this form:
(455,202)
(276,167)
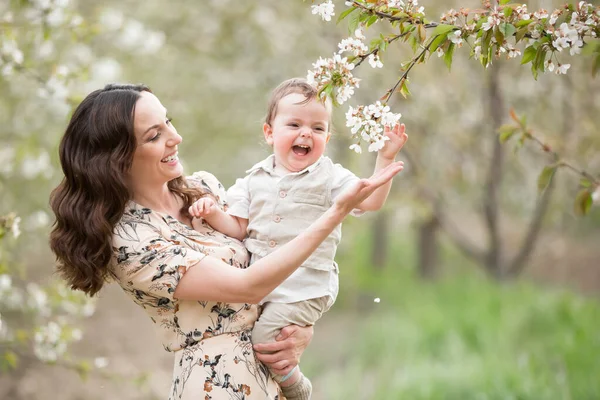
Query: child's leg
(276,316)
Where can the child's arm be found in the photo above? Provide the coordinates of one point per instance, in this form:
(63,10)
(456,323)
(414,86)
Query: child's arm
(385,157)
(207,208)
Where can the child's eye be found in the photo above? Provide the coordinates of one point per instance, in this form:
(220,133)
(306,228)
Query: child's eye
(320,129)
(295,125)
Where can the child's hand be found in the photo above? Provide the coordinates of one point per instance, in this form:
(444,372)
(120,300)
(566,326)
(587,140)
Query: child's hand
(203,207)
(397,140)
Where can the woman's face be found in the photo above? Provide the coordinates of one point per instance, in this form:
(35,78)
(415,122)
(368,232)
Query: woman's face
(155,159)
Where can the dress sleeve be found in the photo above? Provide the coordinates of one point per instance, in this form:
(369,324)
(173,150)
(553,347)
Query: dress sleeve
(238,198)
(342,180)
(148,263)
(208,183)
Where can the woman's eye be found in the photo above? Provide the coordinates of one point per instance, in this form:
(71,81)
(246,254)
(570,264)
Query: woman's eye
(155,137)
(168,121)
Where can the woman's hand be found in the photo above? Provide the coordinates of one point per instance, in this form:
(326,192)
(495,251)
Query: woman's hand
(284,354)
(352,197)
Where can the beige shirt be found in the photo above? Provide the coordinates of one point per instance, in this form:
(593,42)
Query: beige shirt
(278,208)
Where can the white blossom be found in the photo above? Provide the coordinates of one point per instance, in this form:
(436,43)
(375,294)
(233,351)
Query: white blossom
(356,46)
(111,19)
(376,299)
(325,10)
(367,124)
(562,68)
(456,38)
(375,61)
(356,147)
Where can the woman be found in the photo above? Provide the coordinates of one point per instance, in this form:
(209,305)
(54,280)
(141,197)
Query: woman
(121,213)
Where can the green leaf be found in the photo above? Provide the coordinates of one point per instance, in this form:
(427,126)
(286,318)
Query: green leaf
(443,29)
(583,202)
(503,2)
(545,177)
(346,13)
(521,32)
(404,89)
(354,21)
(506,132)
(523,22)
(507,29)
(372,20)
(585,183)
(437,41)
(528,55)
(11,359)
(448,56)
(507,11)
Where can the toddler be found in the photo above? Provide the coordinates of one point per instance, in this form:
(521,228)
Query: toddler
(280,197)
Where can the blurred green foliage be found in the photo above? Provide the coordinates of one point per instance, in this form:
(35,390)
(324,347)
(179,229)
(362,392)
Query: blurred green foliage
(462,337)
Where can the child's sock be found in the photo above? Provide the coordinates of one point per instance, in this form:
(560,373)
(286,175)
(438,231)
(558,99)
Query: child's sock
(300,390)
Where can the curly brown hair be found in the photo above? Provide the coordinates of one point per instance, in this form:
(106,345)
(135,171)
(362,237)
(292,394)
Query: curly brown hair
(96,153)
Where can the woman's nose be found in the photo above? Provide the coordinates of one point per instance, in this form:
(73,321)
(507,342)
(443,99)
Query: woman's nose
(175,139)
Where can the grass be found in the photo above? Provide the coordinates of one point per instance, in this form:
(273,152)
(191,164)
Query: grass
(461,337)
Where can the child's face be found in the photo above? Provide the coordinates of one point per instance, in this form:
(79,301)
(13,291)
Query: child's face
(298,133)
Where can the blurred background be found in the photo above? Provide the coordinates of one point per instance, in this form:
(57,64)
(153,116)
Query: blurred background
(487,289)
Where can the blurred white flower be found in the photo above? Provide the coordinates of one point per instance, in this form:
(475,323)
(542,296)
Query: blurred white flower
(376,299)
(7,158)
(106,70)
(325,10)
(100,362)
(55,18)
(111,19)
(38,219)
(5,283)
(596,195)
(37,299)
(153,42)
(46,49)
(32,167)
(76,335)
(15,230)
(133,34)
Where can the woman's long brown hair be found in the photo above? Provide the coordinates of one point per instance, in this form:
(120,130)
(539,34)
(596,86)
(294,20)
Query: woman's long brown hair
(96,153)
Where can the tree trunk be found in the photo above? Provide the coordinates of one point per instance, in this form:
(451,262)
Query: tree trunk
(380,237)
(428,248)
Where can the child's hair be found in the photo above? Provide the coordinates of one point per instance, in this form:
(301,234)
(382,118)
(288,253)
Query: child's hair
(294,85)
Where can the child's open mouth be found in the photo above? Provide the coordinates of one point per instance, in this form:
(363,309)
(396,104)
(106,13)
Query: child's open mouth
(301,150)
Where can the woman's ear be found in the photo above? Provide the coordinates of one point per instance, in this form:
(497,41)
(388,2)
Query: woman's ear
(268,132)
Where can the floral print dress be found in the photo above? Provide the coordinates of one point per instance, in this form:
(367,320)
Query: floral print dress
(211,340)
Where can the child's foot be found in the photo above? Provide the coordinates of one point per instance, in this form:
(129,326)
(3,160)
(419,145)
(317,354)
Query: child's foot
(301,390)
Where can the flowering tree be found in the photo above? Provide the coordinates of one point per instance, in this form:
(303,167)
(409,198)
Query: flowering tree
(45,53)
(541,39)
(508,29)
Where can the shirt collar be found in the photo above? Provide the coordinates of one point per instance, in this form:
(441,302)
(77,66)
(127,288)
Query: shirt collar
(268,163)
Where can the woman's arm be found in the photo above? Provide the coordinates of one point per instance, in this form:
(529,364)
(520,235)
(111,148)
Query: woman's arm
(214,280)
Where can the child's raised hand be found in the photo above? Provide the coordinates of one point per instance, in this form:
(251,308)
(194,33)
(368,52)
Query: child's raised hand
(397,138)
(203,207)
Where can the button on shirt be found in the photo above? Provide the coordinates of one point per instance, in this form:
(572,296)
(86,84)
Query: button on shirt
(278,208)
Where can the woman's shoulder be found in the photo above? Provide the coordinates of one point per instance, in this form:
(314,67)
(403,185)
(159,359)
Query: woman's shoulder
(208,183)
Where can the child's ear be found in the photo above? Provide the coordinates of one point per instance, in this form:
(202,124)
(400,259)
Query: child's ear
(268,132)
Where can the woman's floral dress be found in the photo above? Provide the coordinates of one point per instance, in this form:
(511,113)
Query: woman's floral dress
(211,340)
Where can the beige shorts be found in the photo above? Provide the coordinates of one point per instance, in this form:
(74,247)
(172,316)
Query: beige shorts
(276,316)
